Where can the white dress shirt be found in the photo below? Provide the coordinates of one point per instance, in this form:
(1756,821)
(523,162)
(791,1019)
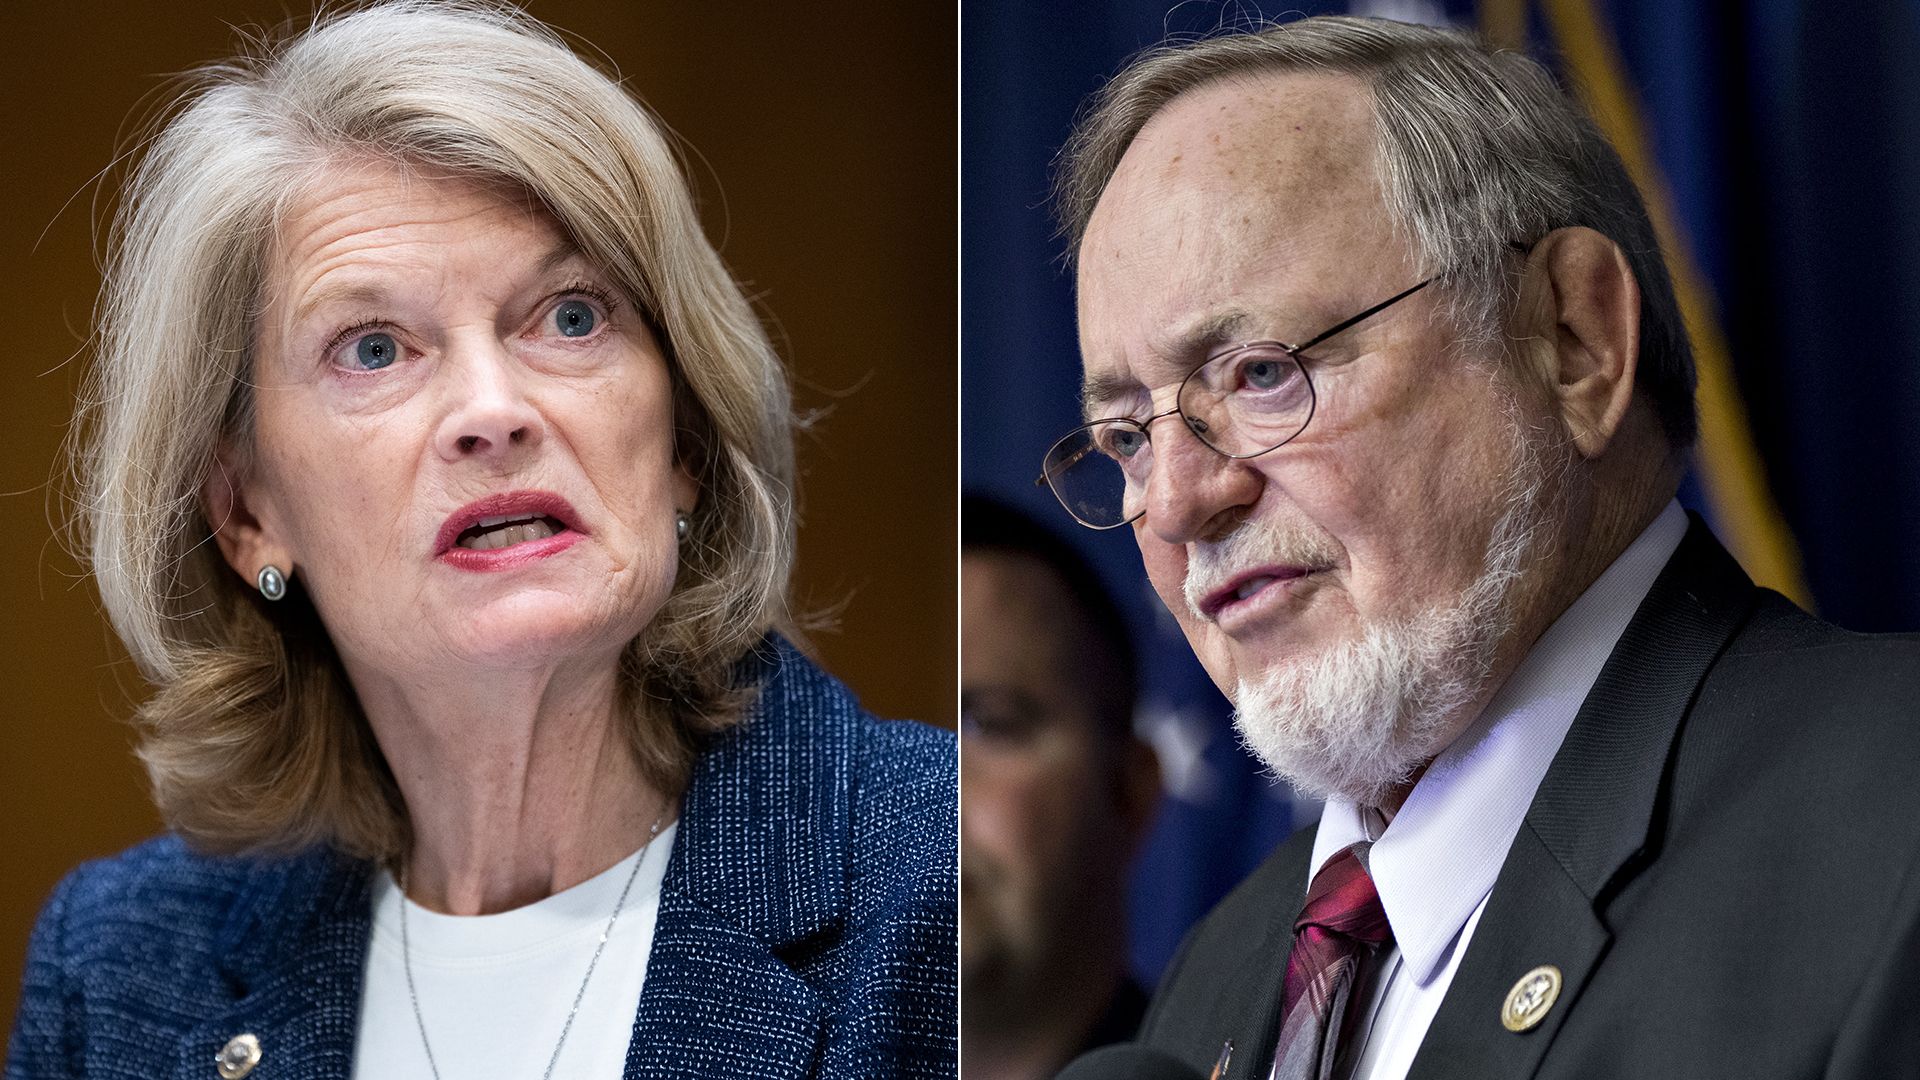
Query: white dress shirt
(1435,863)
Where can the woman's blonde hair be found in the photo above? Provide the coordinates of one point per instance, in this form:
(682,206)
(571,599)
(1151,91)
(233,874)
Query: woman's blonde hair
(253,737)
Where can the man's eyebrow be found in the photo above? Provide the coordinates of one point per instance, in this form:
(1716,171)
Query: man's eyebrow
(1101,388)
(1179,353)
(1207,334)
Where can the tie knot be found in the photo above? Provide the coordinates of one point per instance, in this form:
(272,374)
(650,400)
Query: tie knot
(1342,899)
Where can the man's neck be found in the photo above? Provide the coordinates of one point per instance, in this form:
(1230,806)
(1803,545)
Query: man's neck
(1586,546)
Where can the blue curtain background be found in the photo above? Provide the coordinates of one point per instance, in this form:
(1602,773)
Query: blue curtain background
(1786,139)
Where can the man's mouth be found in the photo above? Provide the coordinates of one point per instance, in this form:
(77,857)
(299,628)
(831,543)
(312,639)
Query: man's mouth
(1242,588)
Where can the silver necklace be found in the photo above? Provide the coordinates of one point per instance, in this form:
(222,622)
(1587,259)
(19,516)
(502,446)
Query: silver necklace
(406,958)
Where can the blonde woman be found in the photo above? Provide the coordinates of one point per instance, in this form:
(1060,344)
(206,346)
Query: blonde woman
(439,478)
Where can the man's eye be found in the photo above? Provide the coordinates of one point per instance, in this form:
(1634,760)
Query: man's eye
(1264,373)
(998,715)
(1122,443)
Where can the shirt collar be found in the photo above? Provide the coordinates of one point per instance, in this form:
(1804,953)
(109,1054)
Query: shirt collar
(1438,858)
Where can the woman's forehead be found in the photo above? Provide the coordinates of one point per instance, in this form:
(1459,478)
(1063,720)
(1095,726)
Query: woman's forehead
(355,232)
(370,204)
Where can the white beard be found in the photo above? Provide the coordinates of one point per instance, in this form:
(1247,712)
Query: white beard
(1360,717)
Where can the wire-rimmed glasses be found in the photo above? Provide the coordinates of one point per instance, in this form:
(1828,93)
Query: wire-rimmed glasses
(1241,402)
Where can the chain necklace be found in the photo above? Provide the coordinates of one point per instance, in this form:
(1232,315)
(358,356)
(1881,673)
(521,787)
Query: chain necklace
(406,958)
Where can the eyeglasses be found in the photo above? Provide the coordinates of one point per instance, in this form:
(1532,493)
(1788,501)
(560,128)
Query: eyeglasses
(1243,401)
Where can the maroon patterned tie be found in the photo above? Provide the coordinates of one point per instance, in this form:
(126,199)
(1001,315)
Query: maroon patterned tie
(1341,924)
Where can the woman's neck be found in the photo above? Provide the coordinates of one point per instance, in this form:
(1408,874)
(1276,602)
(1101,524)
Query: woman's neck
(517,784)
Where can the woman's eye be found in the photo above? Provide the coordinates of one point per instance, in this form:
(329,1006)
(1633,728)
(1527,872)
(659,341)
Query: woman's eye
(375,351)
(575,318)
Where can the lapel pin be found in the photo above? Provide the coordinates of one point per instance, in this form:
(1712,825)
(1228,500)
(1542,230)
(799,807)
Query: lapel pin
(1220,1065)
(1530,998)
(238,1057)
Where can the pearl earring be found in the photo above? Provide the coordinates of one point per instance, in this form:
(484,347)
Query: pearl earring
(272,583)
(682,525)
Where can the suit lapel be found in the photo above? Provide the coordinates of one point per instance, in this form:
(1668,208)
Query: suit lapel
(1263,971)
(293,950)
(1594,821)
(1226,983)
(1536,915)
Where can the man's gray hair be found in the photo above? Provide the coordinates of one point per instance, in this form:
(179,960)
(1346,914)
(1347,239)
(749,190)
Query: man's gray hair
(1480,150)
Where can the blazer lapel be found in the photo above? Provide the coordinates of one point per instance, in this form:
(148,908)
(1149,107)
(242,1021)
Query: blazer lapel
(719,1002)
(757,880)
(1593,821)
(293,950)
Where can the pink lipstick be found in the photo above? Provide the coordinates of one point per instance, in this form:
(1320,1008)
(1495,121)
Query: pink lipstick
(502,532)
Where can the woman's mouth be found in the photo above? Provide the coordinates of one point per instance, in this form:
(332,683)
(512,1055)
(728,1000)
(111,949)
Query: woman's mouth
(489,534)
(504,531)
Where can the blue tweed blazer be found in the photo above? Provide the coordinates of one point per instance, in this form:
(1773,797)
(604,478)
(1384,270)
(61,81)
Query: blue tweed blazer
(806,925)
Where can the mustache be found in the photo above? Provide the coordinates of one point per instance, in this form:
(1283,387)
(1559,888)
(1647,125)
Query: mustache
(1255,543)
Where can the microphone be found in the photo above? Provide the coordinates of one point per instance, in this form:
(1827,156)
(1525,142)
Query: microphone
(1128,1061)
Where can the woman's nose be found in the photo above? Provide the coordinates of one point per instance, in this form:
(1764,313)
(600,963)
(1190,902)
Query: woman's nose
(489,414)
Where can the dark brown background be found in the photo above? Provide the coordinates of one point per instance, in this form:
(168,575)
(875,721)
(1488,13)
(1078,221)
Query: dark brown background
(825,139)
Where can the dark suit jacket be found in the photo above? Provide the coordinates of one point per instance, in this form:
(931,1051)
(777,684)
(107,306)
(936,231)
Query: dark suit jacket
(1721,860)
(806,925)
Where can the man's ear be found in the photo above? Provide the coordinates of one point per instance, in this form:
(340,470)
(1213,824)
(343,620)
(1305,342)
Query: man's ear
(230,502)
(1584,304)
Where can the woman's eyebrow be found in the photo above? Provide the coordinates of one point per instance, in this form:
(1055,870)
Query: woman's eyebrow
(375,294)
(351,293)
(559,255)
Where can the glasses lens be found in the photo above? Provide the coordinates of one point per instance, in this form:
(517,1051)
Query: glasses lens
(1248,401)
(1088,471)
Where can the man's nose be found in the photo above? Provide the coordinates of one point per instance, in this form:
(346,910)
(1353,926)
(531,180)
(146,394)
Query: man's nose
(1195,493)
(489,414)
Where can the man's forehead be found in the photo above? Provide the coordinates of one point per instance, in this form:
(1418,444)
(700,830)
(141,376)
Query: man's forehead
(1245,195)
(1286,142)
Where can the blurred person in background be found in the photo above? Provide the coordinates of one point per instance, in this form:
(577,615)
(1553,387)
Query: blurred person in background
(1059,793)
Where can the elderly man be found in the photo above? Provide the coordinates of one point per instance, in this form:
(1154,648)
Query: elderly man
(1384,370)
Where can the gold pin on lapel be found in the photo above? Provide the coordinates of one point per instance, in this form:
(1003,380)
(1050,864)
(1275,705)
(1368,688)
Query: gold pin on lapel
(1530,998)
(238,1057)
(1226,1058)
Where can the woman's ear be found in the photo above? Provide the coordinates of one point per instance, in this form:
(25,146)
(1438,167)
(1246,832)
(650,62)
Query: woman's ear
(248,542)
(686,490)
